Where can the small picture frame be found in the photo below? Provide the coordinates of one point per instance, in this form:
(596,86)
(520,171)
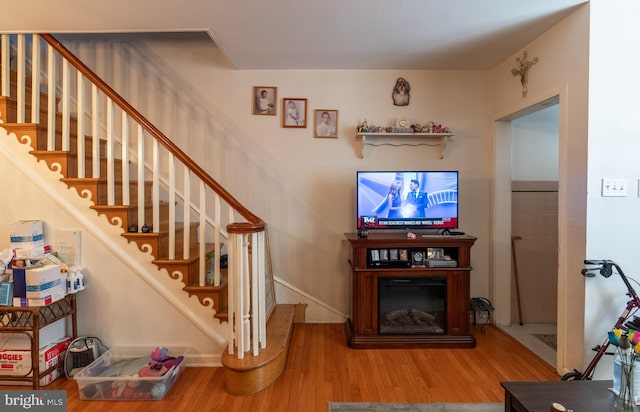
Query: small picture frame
(6,293)
(384,254)
(403,254)
(375,255)
(435,253)
(294,112)
(326,123)
(417,258)
(264,100)
(393,254)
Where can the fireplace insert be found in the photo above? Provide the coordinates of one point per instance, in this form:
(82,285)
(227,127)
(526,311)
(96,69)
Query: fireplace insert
(412,305)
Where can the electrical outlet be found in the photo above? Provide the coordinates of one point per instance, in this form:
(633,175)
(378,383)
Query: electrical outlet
(614,187)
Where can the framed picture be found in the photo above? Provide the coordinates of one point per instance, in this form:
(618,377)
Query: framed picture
(384,254)
(294,112)
(435,253)
(393,254)
(375,255)
(417,258)
(264,100)
(326,122)
(404,255)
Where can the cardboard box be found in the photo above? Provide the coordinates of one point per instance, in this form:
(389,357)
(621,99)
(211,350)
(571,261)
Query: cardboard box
(26,234)
(44,381)
(53,332)
(38,282)
(56,287)
(30,302)
(15,356)
(30,253)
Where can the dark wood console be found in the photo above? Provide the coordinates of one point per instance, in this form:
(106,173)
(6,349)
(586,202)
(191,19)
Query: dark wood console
(382,255)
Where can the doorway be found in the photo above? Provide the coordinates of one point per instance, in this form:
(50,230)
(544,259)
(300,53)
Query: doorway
(532,163)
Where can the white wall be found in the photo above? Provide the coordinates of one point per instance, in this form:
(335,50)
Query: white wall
(613,152)
(534,146)
(304,187)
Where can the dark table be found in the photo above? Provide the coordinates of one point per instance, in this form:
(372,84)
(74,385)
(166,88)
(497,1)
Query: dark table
(579,396)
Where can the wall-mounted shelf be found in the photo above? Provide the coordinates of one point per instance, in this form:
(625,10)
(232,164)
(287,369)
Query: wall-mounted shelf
(440,138)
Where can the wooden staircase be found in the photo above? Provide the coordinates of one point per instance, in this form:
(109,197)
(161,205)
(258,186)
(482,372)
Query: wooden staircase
(247,371)
(65,162)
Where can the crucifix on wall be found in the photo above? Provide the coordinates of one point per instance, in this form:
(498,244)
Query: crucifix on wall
(522,70)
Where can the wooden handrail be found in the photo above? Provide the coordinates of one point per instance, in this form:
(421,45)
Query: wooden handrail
(256,224)
(245,227)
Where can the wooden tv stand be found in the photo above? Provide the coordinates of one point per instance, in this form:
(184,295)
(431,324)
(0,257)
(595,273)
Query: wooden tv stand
(368,266)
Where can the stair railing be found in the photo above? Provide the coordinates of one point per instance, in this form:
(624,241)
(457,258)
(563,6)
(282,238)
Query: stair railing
(191,194)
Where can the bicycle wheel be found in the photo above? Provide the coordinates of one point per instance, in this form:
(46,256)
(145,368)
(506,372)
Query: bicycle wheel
(572,376)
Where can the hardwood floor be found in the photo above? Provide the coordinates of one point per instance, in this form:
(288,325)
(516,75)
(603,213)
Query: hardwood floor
(321,368)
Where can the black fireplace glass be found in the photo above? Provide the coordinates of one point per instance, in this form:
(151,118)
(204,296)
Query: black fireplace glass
(412,305)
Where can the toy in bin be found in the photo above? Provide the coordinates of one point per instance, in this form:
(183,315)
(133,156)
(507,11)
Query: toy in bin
(116,376)
(160,363)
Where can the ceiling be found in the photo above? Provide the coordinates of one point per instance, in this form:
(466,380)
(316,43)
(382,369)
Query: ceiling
(305,34)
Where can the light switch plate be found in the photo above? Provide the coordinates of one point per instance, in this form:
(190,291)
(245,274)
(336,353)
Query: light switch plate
(614,187)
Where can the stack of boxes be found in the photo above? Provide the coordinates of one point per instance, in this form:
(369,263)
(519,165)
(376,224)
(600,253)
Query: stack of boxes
(34,285)
(37,280)
(15,356)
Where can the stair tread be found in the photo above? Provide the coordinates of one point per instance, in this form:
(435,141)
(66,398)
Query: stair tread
(133,207)
(279,329)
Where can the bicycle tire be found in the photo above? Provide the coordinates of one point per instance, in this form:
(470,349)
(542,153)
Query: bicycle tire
(572,376)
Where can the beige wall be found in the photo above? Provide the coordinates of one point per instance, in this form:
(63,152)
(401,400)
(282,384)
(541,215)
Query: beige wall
(302,186)
(562,70)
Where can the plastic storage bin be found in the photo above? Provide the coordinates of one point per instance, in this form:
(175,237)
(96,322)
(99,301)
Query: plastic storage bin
(114,376)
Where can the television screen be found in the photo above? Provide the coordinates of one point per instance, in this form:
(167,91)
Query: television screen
(407,200)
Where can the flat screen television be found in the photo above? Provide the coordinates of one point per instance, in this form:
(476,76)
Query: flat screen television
(407,200)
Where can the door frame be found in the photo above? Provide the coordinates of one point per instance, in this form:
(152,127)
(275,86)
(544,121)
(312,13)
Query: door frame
(501,262)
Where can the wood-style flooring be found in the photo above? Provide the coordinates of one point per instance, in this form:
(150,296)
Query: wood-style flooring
(321,368)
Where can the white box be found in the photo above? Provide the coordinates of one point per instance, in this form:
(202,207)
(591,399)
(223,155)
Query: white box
(56,287)
(30,302)
(39,281)
(44,381)
(30,253)
(53,332)
(15,356)
(26,234)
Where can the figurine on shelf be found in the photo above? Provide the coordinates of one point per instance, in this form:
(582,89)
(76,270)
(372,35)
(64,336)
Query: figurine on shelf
(364,127)
(430,126)
(400,92)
